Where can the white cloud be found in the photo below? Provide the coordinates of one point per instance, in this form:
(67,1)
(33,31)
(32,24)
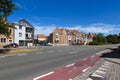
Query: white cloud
(19,5)
(95,28)
(44,29)
(102,28)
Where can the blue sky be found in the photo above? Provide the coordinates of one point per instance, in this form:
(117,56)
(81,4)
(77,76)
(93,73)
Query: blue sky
(85,15)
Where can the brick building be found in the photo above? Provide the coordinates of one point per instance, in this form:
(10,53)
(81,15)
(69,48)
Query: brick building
(7,40)
(66,37)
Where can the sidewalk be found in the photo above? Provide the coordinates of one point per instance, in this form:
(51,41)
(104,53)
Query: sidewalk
(107,69)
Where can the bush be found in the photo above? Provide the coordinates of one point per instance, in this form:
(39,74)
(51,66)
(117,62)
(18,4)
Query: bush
(93,43)
(97,43)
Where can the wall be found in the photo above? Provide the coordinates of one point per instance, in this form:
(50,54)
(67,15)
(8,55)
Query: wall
(17,31)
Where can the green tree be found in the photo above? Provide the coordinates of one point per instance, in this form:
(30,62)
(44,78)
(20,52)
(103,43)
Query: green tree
(6,8)
(113,39)
(100,39)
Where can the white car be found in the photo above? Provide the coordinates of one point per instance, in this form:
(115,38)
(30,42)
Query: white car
(49,44)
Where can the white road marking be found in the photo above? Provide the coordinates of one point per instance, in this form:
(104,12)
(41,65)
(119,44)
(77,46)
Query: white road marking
(22,54)
(93,56)
(72,52)
(99,53)
(51,51)
(2,56)
(70,65)
(39,53)
(10,55)
(43,75)
(85,59)
(7,55)
(86,69)
(89,79)
(104,51)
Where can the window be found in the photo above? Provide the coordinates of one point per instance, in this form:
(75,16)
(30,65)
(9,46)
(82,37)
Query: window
(56,36)
(20,27)
(29,29)
(26,36)
(10,41)
(56,41)
(3,40)
(69,37)
(20,34)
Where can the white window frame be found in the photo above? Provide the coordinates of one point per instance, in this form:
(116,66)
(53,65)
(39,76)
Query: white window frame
(20,34)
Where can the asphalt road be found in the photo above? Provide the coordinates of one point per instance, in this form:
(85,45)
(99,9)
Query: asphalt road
(29,66)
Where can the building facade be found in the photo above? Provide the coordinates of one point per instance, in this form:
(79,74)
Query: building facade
(7,40)
(24,33)
(42,39)
(89,38)
(66,37)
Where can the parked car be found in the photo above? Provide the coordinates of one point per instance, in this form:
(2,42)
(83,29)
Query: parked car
(11,45)
(49,44)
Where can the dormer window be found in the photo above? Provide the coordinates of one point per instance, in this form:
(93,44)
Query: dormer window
(20,26)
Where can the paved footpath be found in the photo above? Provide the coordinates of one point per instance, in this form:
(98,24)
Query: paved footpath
(106,69)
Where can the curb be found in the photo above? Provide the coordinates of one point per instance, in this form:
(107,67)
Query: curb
(69,72)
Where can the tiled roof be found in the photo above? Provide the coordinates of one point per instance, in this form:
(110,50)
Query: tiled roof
(92,34)
(73,32)
(41,36)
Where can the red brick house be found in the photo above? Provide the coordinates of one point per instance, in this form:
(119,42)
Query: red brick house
(66,37)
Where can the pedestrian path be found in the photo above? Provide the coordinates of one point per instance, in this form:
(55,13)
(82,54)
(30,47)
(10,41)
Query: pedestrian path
(106,69)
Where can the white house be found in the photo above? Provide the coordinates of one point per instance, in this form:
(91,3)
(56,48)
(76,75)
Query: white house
(24,33)
(19,34)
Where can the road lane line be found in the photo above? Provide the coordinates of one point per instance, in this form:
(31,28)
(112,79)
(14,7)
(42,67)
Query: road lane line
(43,75)
(22,54)
(2,57)
(70,65)
(86,69)
(99,53)
(72,52)
(93,56)
(85,59)
(51,51)
(7,55)
(39,53)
